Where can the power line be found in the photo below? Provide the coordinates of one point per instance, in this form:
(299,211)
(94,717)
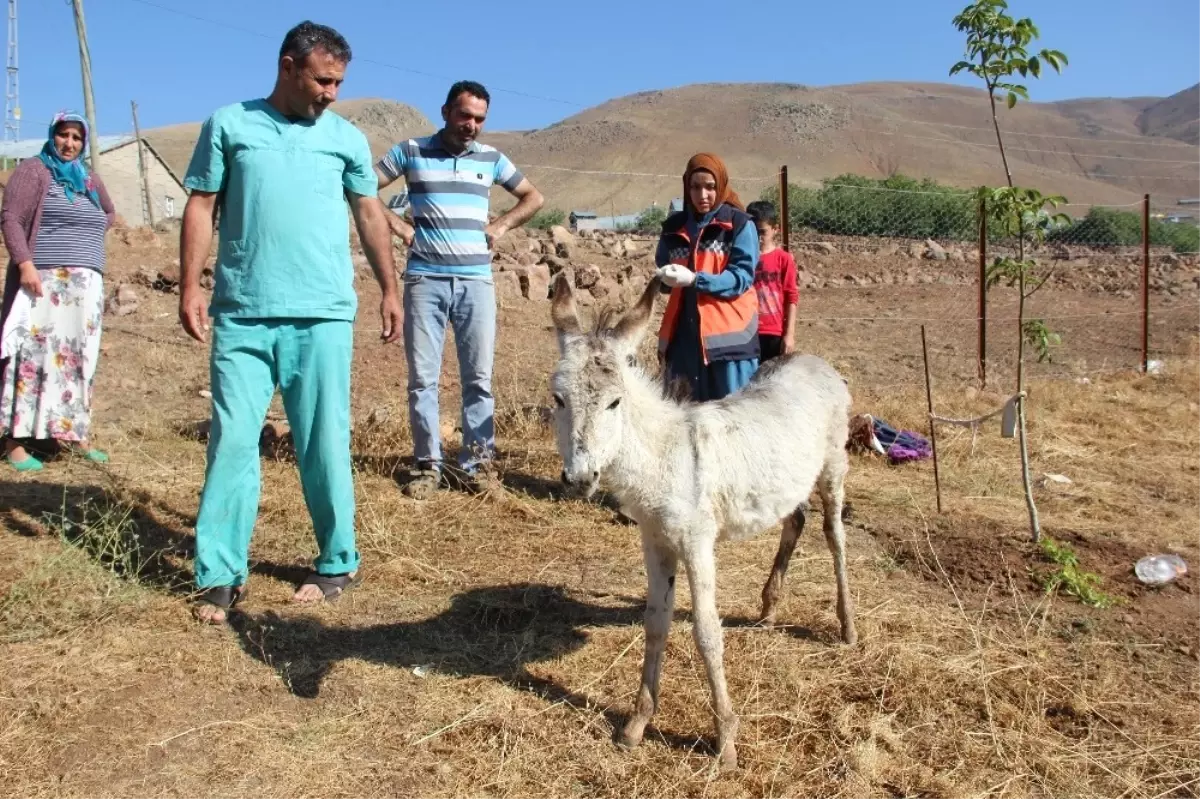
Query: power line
(377,63)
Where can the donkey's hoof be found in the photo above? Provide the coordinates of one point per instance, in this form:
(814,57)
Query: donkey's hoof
(728,760)
(849,637)
(629,738)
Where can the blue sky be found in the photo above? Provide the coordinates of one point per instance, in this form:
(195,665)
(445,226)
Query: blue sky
(567,55)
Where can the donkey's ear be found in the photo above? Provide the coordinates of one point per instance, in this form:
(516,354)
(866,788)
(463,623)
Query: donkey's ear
(564,312)
(632,327)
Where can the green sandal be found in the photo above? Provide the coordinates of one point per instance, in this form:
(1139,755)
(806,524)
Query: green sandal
(29,464)
(95,455)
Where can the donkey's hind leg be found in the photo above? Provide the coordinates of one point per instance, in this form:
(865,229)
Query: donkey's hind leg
(831,484)
(793,525)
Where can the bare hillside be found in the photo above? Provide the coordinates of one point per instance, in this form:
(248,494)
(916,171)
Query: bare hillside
(383,121)
(1177,117)
(623,154)
(1086,149)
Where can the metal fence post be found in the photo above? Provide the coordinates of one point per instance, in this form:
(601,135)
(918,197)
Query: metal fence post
(1146,283)
(982,320)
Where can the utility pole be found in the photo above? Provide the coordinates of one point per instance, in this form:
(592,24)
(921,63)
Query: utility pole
(147,201)
(89,103)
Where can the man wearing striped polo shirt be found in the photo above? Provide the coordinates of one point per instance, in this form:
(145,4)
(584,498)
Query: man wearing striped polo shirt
(449,274)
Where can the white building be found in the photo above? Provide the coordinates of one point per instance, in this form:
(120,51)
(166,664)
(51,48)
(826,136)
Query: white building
(119,170)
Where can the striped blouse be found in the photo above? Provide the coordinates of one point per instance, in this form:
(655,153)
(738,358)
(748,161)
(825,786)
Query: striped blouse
(71,233)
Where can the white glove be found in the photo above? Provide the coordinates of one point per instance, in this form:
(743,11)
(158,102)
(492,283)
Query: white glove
(675,275)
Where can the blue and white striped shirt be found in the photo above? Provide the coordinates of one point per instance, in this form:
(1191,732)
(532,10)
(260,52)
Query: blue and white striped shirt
(449,196)
(71,233)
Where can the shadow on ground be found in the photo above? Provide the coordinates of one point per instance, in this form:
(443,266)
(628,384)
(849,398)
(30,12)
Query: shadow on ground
(123,529)
(494,631)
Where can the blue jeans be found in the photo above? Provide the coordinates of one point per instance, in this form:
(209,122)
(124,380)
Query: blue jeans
(469,304)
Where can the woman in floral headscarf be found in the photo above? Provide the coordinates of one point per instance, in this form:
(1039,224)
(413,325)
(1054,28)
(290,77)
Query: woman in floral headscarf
(53,217)
(707,256)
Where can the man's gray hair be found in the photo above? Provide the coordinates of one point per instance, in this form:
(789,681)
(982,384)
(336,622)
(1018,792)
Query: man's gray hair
(308,36)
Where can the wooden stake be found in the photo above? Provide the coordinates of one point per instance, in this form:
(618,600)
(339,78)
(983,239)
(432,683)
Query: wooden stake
(937,482)
(137,133)
(785,220)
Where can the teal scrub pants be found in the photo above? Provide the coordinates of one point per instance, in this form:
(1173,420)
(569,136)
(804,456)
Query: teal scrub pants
(309,360)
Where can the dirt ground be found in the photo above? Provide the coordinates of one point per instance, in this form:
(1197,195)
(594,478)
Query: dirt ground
(496,642)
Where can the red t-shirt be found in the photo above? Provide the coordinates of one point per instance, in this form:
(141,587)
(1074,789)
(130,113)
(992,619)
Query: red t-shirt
(775,282)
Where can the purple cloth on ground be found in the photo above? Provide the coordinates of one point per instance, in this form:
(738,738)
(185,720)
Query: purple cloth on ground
(902,445)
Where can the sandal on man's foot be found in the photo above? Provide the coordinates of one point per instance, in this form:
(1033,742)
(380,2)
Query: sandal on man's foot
(222,597)
(332,585)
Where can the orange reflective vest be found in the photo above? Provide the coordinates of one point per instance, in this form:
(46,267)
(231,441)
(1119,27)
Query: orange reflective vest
(728,327)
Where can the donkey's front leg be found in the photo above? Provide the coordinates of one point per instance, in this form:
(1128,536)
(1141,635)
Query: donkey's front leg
(701,564)
(660,604)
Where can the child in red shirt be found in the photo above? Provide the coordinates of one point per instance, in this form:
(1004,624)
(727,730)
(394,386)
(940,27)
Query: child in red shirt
(775,282)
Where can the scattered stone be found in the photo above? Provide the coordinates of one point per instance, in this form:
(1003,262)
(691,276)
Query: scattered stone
(123,301)
(606,289)
(825,248)
(535,282)
(146,277)
(204,393)
(587,276)
(378,416)
(564,242)
(508,289)
(934,251)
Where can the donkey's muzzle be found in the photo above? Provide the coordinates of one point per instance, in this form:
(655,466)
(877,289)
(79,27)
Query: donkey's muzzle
(580,488)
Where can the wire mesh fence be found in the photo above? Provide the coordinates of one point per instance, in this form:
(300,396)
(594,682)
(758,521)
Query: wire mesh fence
(879,257)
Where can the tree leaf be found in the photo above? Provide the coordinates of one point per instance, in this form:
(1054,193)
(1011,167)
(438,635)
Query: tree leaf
(1035,66)
(1012,99)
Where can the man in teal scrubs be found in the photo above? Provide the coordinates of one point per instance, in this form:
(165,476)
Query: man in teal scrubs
(279,173)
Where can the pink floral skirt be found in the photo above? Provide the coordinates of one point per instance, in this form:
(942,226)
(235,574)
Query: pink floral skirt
(47,387)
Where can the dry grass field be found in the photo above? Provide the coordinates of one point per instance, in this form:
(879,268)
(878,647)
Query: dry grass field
(496,642)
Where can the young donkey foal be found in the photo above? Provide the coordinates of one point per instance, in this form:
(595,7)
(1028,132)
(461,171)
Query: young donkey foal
(693,474)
